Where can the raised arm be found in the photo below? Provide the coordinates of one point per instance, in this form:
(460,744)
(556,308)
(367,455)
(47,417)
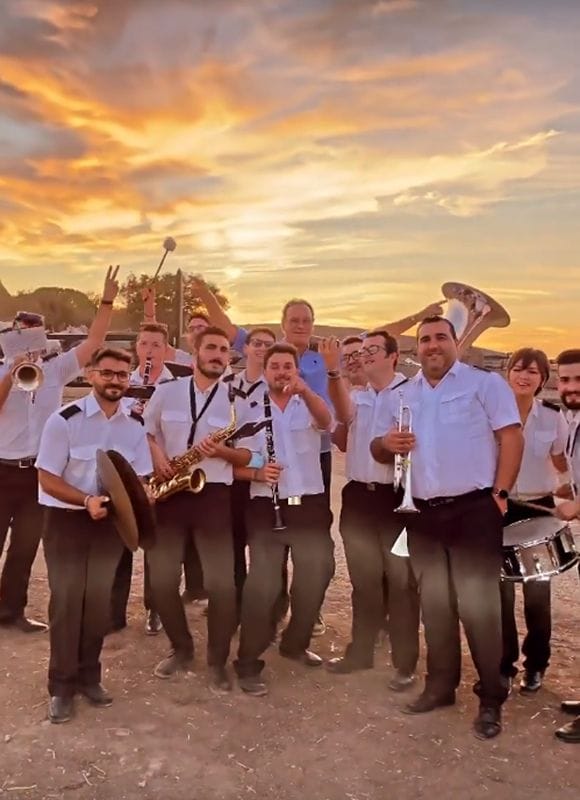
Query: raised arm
(217,316)
(102,320)
(338,390)
(399,326)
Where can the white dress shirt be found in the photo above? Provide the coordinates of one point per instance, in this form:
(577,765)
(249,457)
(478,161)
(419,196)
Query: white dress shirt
(68,447)
(168,418)
(24,414)
(372,411)
(137,379)
(573,447)
(297,448)
(545,434)
(183,357)
(454,424)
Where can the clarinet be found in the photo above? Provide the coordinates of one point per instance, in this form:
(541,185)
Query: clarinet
(269,429)
(147,371)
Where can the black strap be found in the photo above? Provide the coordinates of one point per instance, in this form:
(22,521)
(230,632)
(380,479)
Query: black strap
(254,386)
(571,443)
(193,405)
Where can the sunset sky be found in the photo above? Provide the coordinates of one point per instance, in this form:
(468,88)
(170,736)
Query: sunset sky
(357,152)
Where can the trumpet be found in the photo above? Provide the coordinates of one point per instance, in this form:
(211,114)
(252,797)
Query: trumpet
(403,463)
(27,376)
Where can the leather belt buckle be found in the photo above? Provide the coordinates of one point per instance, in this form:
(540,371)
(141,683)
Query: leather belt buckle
(25,463)
(371,487)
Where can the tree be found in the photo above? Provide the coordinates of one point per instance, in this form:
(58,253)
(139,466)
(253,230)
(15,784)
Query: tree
(166,296)
(60,307)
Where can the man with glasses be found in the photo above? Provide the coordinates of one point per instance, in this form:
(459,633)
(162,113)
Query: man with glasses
(81,546)
(368,524)
(23,415)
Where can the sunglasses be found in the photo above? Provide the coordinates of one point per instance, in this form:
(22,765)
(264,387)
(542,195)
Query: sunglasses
(260,343)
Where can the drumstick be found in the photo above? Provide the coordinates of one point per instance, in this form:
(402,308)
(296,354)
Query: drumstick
(169,246)
(545,511)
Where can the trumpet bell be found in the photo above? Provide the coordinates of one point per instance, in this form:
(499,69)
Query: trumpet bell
(471,311)
(28,377)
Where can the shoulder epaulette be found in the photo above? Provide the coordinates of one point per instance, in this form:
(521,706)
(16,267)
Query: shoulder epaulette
(168,380)
(229,378)
(549,404)
(70,411)
(50,356)
(137,417)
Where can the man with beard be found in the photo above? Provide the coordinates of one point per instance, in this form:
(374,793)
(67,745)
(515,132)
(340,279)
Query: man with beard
(569,388)
(369,526)
(297,416)
(81,546)
(466,448)
(151,349)
(23,415)
(181,414)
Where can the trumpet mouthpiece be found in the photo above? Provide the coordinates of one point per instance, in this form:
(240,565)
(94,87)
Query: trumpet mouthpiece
(169,244)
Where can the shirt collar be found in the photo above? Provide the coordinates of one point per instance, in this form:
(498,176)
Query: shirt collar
(92,407)
(455,368)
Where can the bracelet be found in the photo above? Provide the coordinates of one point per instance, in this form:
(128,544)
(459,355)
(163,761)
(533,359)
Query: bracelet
(333,374)
(86,500)
(106,302)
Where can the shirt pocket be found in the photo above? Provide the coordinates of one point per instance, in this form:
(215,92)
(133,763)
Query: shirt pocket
(463,409)
(542,443)
(82,461)
(300,434)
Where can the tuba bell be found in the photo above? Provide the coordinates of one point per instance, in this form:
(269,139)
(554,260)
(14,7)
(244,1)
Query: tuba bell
(472,311)
(27,376)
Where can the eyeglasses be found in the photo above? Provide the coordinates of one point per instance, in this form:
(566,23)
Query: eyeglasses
(371,350)
(260,343)
(348,357)
(108,374)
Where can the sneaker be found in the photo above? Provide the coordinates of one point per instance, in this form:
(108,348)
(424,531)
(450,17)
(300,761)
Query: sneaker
(254,685)
(172,664)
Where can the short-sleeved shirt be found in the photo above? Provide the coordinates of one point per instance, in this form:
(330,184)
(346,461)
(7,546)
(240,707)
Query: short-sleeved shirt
(371,418)
(24,414)
(69,445)
(454,423)
(137,379)
(545,434)
(168,418)
(297,449)
(183,357)
(572,449)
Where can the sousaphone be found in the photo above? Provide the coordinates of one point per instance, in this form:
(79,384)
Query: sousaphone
(471,312)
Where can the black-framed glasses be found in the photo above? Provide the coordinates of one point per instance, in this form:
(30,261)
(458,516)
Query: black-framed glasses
(348,357)
(122,375)
(260,343)
(371,349)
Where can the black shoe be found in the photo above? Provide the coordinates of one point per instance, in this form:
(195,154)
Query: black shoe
(153,624)
(346,665)
(26,625)
(96,695)
(219,680)
(307,658)
(428,702)
(60,709)
(506,680)
(569,733)
(401,681)
(571,707)
(531,681)
(254,685)
(487,724)
(174,662)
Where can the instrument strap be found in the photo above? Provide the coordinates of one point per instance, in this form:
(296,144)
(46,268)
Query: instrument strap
(572,440)
(193,405)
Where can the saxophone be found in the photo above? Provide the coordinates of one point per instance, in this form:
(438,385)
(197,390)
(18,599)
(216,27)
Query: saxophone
(186,477)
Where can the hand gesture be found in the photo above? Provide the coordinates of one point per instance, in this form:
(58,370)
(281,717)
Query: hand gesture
(399,442)
(148,297)
(433,309)
(296,386)
(111,287)
(97,507)
(568,510)
(270,473)
(329,349)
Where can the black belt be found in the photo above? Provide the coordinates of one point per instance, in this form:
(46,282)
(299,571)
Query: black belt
(435,502)
(372,486)
(20,463)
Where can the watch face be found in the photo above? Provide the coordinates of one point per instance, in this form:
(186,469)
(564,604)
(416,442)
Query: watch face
(502,494)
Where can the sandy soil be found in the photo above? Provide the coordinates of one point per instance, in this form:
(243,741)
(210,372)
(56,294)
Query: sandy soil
(315,736)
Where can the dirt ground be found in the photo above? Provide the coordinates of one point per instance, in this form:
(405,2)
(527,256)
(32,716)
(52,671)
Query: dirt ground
(315,736)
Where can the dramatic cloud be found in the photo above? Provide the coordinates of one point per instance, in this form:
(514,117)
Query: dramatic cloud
(361,152)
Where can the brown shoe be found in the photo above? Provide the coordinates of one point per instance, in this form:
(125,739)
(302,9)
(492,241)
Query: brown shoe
(307,657)
(97,695)
(429,702)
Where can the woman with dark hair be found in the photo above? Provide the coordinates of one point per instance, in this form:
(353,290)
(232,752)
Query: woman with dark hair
(545,434)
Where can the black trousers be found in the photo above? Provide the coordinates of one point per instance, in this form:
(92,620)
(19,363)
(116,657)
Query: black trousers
(192,571)
(369,528)
(122,588)
(81,558)
(207,518)
(240,500)
(19,511)
(456,556)
(537,609)
(307,535)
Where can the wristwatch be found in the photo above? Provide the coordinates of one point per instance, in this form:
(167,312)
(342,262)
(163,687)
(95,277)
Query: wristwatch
(501,493)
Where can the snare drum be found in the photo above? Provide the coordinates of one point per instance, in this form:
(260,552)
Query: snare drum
(537,549)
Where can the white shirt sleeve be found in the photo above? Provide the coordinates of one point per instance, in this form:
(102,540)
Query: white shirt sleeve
(498,402)
(559,445)
(53,454)
(183,357)
(152,413)
(142,463)
(66,366)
